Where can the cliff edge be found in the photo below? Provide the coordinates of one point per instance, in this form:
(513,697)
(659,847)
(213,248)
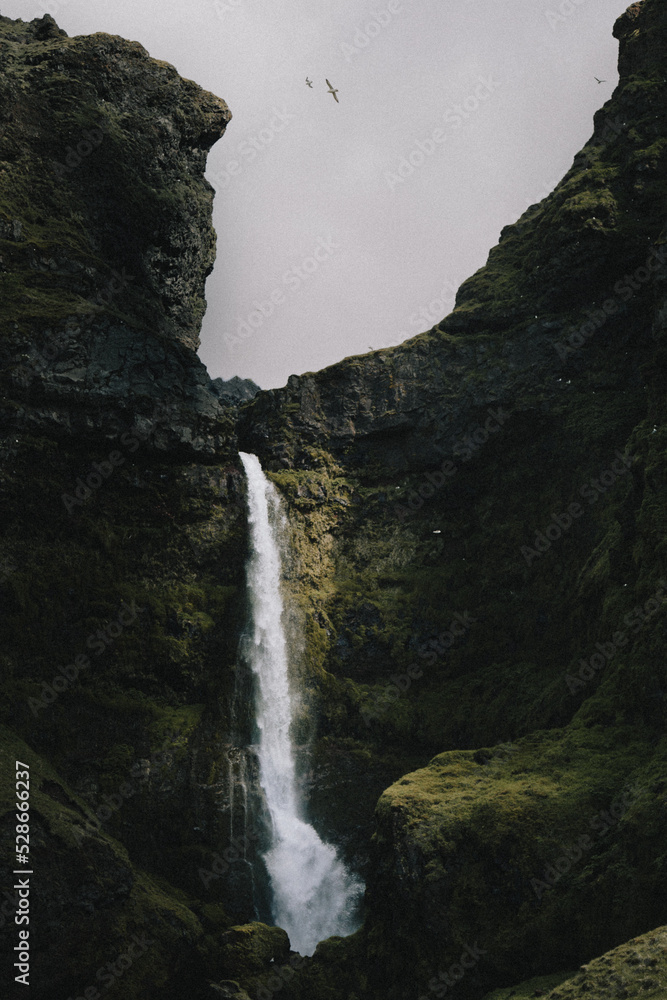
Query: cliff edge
(106,238)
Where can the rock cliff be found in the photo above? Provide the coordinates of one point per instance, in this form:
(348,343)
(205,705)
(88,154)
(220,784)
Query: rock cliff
(123,520)
(106,237)
(477,526)
(478,569)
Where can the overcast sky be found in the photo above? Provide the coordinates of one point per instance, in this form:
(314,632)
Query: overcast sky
(348,226)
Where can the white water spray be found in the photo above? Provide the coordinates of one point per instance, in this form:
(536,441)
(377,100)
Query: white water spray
(314,896)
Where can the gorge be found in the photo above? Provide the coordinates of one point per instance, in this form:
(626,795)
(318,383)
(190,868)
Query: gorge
(473,583)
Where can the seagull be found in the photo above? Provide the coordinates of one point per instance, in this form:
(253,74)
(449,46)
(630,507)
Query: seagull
(309,82)
(334,92)
(599,81)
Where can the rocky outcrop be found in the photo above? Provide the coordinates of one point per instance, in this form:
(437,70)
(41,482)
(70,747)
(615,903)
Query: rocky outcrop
(105,221)
(235,390)
(634,970)
(123,522)
(490,847)
(479,558)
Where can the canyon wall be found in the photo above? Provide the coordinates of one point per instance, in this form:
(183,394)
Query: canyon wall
(478,568)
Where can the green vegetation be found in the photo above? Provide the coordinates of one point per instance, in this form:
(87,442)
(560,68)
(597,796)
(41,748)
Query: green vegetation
(482,676)
(634,970)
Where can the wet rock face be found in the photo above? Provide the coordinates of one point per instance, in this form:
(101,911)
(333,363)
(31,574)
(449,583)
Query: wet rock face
(105,230)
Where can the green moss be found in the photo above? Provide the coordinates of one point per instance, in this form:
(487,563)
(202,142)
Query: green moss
(250,948)
(634,970)
(488,832)
(175,727)
(460,840)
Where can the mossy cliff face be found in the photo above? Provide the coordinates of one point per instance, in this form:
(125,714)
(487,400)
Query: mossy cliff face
(541,853)
(478,521)
(478,559)
(123,524)
(105,236)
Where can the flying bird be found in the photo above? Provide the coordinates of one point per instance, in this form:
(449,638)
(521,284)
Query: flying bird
(309,82)
(599,81)
(332,91)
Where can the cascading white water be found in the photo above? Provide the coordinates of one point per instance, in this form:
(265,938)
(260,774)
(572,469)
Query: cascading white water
(314,896)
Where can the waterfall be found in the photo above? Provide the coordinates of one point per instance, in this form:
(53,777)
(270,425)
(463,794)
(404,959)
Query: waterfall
(314,896)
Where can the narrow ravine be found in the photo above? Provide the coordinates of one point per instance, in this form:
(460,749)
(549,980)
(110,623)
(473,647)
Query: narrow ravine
(314,896)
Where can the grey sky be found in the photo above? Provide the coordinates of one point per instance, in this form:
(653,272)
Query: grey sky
(325,248)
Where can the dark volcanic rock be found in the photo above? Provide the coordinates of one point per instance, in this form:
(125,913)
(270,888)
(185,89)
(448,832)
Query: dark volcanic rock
(235,390)
(411,514)
(548,278)
(119,488)
(435,611)
(105,219)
